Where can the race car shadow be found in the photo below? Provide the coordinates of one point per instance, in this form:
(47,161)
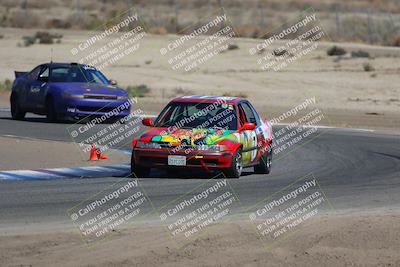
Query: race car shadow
(36,120)
(190,174)
(63,121)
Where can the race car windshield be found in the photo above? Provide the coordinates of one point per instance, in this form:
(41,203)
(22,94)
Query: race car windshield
(77,74)
(198,115)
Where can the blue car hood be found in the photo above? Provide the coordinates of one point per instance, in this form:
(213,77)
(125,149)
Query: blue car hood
(89,88)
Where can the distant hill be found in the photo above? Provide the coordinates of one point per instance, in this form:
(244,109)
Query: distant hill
(370,21)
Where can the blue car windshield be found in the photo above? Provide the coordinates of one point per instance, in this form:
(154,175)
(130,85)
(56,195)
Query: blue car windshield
(77,74)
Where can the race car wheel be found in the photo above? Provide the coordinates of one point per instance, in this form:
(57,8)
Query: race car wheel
(16,112)
(51,114)
(138,171)
(236,166)
(264,167)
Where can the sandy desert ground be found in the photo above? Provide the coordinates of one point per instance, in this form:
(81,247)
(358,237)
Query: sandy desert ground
(342,240)
(348,95)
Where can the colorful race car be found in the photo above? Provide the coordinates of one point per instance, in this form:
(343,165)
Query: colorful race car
(208,132)
(67,90)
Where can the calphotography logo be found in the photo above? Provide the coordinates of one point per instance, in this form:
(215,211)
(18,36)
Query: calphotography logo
(106,33)
(99,131)
(120,39)
(298,126)
(279,215)
(199,44)
(193,214)
(109,210)
(287,44)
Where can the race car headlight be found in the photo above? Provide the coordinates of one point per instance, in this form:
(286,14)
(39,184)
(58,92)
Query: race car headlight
(148,145)
(215,148)
(125,97)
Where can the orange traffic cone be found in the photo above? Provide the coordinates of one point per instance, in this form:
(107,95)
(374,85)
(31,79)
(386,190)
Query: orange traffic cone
(93,153)
(100,155)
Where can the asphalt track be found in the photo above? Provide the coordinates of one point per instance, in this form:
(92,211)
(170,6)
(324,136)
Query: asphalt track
(359,171)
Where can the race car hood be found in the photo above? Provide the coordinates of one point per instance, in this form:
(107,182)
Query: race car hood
(89,88)
(191,137)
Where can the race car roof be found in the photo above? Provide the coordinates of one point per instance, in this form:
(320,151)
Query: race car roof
(208,99)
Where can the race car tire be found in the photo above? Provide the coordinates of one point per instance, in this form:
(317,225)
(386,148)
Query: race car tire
(236,166)
(138,171)
(264,167)
(16,112)
(51,113)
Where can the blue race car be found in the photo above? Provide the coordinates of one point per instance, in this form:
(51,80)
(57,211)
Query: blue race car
(67,91)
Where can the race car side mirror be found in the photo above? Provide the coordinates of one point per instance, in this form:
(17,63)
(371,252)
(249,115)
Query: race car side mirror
(113,82)
(148,122)
(248,126)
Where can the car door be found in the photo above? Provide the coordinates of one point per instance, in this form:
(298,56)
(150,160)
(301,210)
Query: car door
(261,132)
(37,89)
(251,138)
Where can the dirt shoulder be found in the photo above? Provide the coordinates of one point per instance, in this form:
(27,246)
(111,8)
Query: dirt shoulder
(17,153)
(343,90)
(327,241)
(4,99)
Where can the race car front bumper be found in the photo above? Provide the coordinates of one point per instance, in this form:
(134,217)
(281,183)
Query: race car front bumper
(93,107)
(158,158)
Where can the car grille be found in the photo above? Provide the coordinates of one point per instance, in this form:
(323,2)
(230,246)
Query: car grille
(168,145)
(189,161)
(96,109)
(94,96)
